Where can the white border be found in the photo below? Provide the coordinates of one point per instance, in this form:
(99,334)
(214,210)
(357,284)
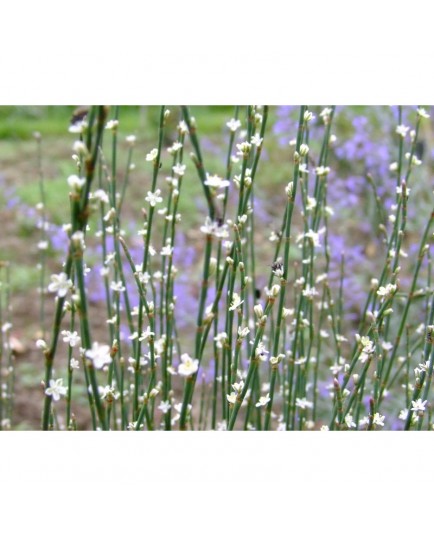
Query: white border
(198,52)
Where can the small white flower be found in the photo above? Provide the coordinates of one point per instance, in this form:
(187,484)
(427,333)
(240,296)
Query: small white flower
(256,140)
(101,196)
(220,339)
(99,355)
(304,149)
(152,155)
(71,338)
(403,414)
(164,406)
(321,171)
(233,124)
(310,203)
(243,148)
(387,291)
(378,419)
(60,284)
(308,116)
(56,389)
(179,169)
(154,197)
(41,344)
(263,401)
(131,140)
(112,124)
(402,130)
(76,183)
(418,405)
(108,393)
(214,181)
(166,251)
(117,286)
(349,421)
(236,302)
(74,364)
(421,112)
(188,366)
(261,352)
(176,146)
(232,398)
(310,292)
(325,115)
(146,334)
(302,403)
(243,332)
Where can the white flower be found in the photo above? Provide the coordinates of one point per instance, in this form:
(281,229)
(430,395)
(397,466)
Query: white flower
(72,338)
(56,389)
(349,421)
(236,302)
(220,339)
(418,405)
(308,116)
(214,181)
(117,286)
(302,403)
(321,171)
(238,387)
(304,149)
(152,155)
(146,334)
(154,197)
(263,401)
(335,369)
(74,364)
(325,115)
(256,140)
(387,291)
(112,124)
(379,419)
(179,169)
(324,428)
(131,140)
(310,203)
(233,125)
(108,392)
(243,332)
(99,355)
(403,414)
(232,398)
(261,352)
(101,196)
(402,130)
(188,366)
(176,146)
(41,344)
(60,284)
(167,251)
(76,183)
(243,148)
(309,292)
(164,406)
(314,237)
(421,112)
